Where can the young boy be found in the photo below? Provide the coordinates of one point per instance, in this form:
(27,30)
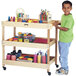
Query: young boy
(65,36)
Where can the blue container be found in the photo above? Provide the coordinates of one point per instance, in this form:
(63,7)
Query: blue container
(19,14)
(16,36)
(23,20)
(46,57)
(26,57)
(40,21)
(18,55)
(8,18)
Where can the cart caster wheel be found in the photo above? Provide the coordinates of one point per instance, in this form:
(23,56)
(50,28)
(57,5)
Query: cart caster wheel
(57,65)
(4,68)
(49,73)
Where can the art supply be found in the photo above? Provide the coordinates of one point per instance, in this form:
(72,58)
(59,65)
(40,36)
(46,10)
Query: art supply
(20,13)
(27,16)
(40,21)
(25,34)
(39,58)
(26,40)
(49,17)
(13,57)
(21,57)
(16,19)
(29,21)
(11,39)
(30,59)
(19,19)
(19,33)
(44,58)
(8,57)
(8,18)
(35,58)
(35,20)
(20,39)
(13,19)
(45,16)
(13,52)
(26,57)
(19,53)
(15,39)
(23,20)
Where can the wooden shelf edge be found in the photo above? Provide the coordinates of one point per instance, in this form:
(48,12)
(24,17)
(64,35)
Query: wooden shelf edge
(29,25)
(28,64)
(22,44)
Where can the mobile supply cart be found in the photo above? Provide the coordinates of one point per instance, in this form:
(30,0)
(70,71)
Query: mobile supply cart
(50,41)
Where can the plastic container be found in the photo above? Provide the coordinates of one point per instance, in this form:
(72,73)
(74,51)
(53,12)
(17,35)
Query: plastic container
(35,58)
(13,57)
(8,57)
(20,13)
(39,58)
(44,58)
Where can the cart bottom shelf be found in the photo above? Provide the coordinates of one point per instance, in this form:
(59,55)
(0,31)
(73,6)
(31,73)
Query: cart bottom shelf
(30,64)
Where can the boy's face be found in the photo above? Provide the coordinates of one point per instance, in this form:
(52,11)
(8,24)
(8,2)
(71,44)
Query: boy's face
(66,9)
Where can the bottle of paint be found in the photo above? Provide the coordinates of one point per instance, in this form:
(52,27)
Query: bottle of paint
(16,19)
(41,55)
(35,58)
(12,19)
(8,57)
(27,17)
(39,58)
(44,58)
(40,52)
(49,17)
(8,18)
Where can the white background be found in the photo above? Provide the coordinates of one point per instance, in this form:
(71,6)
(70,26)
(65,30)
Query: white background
(33,8)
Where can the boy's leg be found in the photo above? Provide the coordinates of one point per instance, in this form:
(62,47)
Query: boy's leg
(64,50)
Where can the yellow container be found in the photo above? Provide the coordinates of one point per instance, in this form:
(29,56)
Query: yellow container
(16,19)
(30,59)
(39,58)
(20,39)
(15,40)
(19,33)
(21,57)
(25,34)
(29,21)
(11,39)
(26,40)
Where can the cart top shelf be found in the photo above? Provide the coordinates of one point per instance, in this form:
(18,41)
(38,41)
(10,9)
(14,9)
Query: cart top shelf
(48,25)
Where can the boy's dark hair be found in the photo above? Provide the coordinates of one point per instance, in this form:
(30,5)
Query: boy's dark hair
(67,2)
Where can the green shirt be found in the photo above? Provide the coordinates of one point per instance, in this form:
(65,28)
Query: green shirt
(67,22)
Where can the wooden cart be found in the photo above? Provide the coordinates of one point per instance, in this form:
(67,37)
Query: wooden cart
(50,59)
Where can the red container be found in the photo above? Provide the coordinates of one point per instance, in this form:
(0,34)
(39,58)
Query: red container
(13,57)
(8,57)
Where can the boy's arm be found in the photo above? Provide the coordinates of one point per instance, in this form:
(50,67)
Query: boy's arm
(62,28)
(56,23)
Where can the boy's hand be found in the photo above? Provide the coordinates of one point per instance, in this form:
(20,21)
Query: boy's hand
(55,23)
